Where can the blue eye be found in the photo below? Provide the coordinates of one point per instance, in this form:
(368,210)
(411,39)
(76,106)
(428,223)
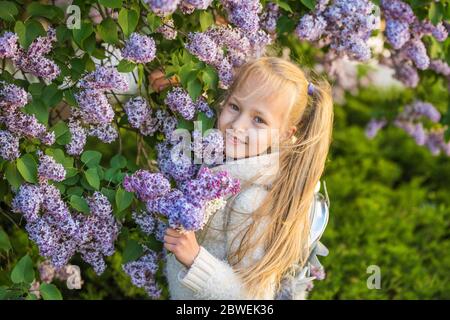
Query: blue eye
(260,120)
(234,107)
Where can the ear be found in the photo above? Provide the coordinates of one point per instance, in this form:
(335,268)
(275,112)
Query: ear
(289,133)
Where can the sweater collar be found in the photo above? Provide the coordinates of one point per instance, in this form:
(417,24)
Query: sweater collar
(245,169)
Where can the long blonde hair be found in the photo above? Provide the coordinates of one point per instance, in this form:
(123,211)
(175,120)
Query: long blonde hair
(301,164)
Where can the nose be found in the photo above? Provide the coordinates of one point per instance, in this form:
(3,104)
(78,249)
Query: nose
(240,124)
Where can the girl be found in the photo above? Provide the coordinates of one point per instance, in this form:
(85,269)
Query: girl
(249,248)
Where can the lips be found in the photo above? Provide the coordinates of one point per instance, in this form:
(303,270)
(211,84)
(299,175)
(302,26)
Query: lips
(235,140)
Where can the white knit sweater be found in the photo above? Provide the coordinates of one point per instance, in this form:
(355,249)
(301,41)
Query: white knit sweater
(211,276)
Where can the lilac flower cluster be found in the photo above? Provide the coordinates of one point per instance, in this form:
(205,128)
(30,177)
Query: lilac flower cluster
(210,148)
(19,124)
(409,120)
(8,45)
(344,25)
(140,117)
(441,67)
(244,14)
(180,101)
(94,106)
(436,142)
(146,185)
(106,132)
(269,17)
(166,8)
(145,220)
(404,32)
(79,135)
(188,6)
(374,126)
(99,230)
(183,208)
(162,8)
(143,271)
(174,163)
(32,60)
(139,48)
(12,97)
(104,78)
(26,125)
(59,234)
(9,146)
(95,114)
(240,46)
(49,169)
(168,30)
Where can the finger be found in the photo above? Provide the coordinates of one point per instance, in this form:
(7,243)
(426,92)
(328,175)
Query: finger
(172,232)
(170,247)
(170,239)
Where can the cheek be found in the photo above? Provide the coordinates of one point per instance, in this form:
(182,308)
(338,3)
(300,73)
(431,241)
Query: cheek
(223,120)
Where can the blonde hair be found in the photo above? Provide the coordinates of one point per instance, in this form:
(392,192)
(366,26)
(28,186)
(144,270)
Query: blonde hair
(301,164)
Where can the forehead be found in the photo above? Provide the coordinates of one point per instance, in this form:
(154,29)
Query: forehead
(265,97)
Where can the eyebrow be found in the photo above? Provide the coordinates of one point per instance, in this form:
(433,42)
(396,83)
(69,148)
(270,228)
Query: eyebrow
(264,114)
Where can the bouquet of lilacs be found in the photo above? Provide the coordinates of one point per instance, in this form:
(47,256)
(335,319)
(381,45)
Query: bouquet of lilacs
(200,192)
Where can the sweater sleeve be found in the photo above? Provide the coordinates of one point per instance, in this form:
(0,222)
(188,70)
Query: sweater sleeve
(212,278)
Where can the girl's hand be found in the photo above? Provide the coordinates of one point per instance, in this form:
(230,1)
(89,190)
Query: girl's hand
(183,245)
(158,80)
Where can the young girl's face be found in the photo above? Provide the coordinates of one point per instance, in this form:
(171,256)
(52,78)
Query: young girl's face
(253,125)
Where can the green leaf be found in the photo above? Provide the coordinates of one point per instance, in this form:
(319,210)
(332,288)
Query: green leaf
(310,4)
(118,161)
(435,12)
(123,199)
(91,158)
(80,204)
(206,20)
(79,35)
(23,271)
(187,74)
(128,20)
(50,12)
(28,168)
(194,89)
(133,250)
(8,10)
(109,193)
(108,31)
(62,133)
(125,66)
(13,176)
(285,6)
(210,78)
(50,292)
(207,123)
(111,3)
(154,22)
(38,108)
(5,244)
(28,32)
(78,191)
(51,95)
(184,124)
(92,178)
